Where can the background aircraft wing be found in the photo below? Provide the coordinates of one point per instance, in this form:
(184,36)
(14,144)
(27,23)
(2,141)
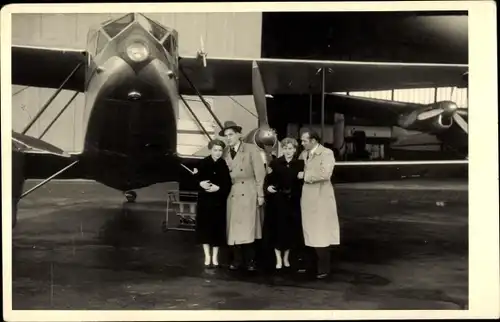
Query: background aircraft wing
(48,67)
(383,112)
(415,140)
(226,76)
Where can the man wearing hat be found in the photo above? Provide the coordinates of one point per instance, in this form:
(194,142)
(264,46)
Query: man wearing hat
(247,195)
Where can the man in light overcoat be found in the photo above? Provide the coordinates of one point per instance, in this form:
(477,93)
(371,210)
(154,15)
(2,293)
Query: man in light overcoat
(244,202)
(320,221)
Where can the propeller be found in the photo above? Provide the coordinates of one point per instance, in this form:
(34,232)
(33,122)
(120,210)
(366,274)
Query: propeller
(259,95)
(445,107)
(201,53)
(263,136)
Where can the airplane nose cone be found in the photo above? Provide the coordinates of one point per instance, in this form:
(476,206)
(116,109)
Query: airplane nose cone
(266,137)
(450,107)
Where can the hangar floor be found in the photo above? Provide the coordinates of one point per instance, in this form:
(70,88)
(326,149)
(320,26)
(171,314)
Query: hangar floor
(75,248)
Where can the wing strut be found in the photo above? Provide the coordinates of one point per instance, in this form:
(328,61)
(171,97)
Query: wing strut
(195,117)
(201,98)
(58,115)
(323,105)
(41,184)
(310,109)
(44,107)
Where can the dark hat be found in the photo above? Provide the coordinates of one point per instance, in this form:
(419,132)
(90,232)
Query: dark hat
(230,125)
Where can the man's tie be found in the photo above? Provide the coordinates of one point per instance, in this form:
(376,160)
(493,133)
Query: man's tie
(233,153)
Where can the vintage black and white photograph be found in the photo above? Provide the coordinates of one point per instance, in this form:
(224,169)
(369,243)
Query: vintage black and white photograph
(251,160)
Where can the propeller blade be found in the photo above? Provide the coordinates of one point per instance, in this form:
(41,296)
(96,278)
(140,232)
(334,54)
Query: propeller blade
(202,51)
(461,122)
(259,95)
(202,44)
(25,142)
(429,114)
(463,112)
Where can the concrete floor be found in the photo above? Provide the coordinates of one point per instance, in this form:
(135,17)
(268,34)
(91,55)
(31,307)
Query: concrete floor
(404,246)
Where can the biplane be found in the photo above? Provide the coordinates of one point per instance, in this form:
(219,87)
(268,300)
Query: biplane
(133,77)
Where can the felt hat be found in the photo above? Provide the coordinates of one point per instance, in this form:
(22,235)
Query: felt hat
(230,125)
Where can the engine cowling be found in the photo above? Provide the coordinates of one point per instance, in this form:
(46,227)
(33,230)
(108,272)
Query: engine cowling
(442,122)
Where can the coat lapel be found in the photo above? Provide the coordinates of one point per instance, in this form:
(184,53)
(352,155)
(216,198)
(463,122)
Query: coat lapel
(240,154)
(238,158)
(315,154)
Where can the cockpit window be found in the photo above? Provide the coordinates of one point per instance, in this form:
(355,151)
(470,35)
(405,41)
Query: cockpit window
(154,28)
(115,27)
(168,44)
(102,41)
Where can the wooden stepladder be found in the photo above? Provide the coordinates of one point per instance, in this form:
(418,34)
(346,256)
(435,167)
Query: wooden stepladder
(181,210)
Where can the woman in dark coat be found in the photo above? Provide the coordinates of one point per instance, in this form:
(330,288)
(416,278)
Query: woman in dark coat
(283,189)
(213,189)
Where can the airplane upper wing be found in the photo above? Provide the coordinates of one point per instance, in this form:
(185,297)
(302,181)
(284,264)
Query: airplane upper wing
(227,76)
(48,67)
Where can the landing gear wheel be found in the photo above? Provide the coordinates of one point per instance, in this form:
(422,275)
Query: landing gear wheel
(130,196)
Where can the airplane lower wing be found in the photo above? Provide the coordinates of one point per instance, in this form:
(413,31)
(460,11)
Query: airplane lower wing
(25,143)
(228,76)
(48,67)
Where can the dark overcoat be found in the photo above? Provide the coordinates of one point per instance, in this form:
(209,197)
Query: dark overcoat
(282,224)
(211,206)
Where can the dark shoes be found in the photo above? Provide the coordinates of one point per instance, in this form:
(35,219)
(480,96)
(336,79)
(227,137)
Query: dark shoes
(251,267)
(234,267)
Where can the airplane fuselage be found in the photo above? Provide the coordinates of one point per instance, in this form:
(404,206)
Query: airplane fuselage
(130,110)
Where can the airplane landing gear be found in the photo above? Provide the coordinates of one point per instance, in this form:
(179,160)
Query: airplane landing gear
(130,196)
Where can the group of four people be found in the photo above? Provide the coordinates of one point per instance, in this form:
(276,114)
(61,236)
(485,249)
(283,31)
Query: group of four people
(290,205)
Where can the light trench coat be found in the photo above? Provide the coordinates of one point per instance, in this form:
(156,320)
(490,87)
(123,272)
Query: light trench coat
(320,221)
(244,216)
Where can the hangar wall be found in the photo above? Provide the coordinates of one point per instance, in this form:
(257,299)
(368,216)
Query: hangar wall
(224,35)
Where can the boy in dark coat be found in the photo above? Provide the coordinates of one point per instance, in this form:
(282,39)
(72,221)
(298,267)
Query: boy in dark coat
(214,186)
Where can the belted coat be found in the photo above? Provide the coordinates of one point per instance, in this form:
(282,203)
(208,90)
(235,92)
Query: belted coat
(320,221)
(247,171)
